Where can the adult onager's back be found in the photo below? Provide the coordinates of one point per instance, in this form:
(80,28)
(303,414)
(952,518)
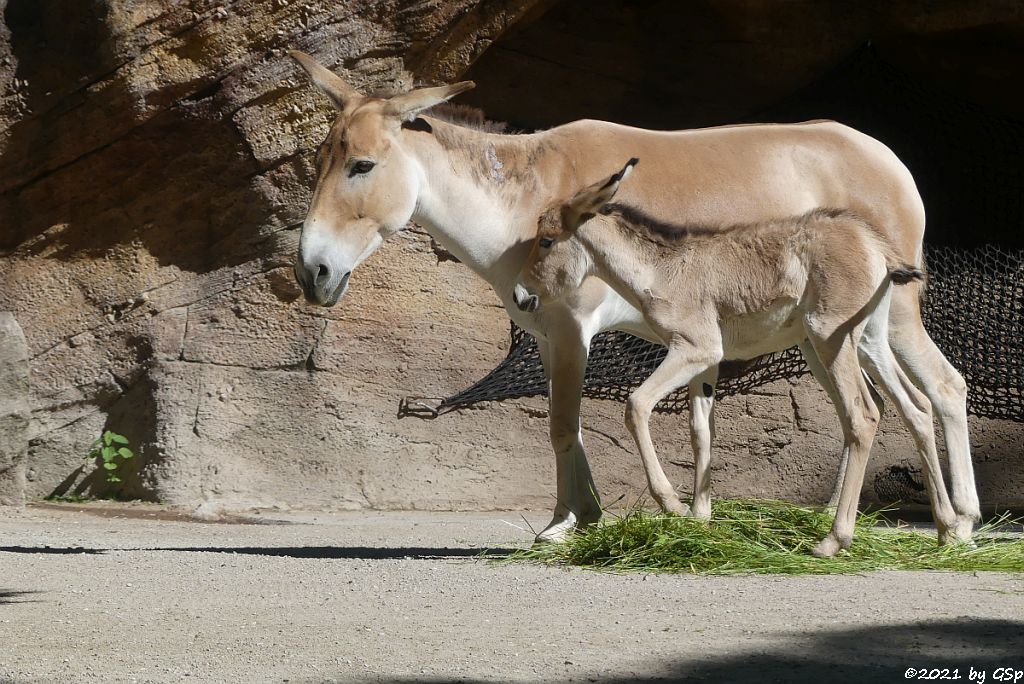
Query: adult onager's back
(737,292)
(386,161)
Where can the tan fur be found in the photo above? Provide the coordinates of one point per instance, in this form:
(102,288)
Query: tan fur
(736,292)
(479,194)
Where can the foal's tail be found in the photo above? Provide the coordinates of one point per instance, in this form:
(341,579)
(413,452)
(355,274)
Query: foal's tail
(905,273)
(900,272)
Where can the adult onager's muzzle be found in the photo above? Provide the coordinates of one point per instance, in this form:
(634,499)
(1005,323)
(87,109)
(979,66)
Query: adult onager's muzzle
(320,283)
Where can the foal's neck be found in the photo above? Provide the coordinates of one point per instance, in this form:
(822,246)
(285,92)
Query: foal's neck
(619,257)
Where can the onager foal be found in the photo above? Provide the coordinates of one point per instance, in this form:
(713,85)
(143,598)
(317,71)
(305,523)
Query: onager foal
(738,292)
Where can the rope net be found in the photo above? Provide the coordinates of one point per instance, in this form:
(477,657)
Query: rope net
(973,310)
(969,169)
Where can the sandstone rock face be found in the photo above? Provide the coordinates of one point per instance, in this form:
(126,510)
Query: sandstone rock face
(14,410)
(155,168)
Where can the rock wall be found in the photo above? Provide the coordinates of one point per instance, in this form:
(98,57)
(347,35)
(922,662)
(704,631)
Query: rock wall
(155,166)
(14,410)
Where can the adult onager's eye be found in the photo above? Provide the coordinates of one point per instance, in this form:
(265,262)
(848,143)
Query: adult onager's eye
(361,167)
(546,242)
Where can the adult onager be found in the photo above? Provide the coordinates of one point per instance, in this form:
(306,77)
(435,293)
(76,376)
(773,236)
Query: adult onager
(478,194)
(737,292)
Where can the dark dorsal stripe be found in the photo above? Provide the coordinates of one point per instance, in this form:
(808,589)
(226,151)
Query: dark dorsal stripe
(637,218)
(665,232)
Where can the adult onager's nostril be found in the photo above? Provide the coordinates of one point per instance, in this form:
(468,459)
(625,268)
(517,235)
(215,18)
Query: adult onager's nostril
(322,274)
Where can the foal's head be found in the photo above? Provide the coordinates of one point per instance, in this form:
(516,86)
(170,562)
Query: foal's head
(558,262)
(367,185)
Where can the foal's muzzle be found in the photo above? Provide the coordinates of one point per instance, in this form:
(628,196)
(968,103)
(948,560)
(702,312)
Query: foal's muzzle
(524,300)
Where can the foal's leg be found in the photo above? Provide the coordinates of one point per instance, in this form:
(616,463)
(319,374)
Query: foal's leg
(702,433)
(819,373)
(947,392)
(678,368)
(564,356)
(858,416)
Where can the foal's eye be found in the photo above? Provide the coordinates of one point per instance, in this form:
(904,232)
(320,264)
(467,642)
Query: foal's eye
(361,167)
(546,242)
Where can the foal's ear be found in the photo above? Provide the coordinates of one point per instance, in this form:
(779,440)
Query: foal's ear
(408,105)
(589,200)
(328,82)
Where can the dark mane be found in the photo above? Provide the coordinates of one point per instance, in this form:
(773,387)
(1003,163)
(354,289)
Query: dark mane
(671,234)
(467,117)
(655,229)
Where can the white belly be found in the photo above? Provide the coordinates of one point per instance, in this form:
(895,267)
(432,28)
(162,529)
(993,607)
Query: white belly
(764,332)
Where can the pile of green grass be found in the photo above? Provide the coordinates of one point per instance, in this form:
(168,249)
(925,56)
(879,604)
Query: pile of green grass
(768,537)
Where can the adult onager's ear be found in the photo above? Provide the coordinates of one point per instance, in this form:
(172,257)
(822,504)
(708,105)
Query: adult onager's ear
(408,105)
(328,82)
(590,199)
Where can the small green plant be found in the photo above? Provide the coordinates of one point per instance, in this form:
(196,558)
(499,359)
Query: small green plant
(108,447)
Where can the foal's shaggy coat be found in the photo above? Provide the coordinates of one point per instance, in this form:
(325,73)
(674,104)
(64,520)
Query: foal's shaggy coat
(737,292)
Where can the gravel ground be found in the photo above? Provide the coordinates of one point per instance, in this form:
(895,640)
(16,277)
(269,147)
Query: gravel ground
(138,594)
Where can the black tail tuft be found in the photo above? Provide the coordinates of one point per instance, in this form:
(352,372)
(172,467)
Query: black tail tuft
(905,273)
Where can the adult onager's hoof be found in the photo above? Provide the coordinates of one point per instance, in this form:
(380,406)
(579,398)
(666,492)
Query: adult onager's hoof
(828,547)
(672,504)
(699,513)
(559,529)
(957,533)
(684,510)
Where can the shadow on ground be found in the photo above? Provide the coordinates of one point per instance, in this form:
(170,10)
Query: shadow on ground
(9,596)
(314,552)
(942,648)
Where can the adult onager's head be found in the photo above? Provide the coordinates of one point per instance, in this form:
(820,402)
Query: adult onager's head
(557,265)
(367,187)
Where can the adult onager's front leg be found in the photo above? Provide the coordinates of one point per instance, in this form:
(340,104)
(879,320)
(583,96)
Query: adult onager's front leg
(564,356)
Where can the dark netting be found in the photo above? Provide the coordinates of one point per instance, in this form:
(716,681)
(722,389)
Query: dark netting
(900,483)
(969,166)
(974,310)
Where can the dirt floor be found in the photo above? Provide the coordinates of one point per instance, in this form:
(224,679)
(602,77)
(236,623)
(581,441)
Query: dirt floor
(137,594)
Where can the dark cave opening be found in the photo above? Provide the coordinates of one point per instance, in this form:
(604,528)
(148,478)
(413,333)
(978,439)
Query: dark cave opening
(937,82)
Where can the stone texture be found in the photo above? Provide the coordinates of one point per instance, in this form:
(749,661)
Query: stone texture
(155,166)
(14,410)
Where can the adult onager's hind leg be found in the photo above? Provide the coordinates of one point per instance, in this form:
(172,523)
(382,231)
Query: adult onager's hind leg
(679,367)
(702,434)
(578,503)
(916,412)
(858,416)
(946,390)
